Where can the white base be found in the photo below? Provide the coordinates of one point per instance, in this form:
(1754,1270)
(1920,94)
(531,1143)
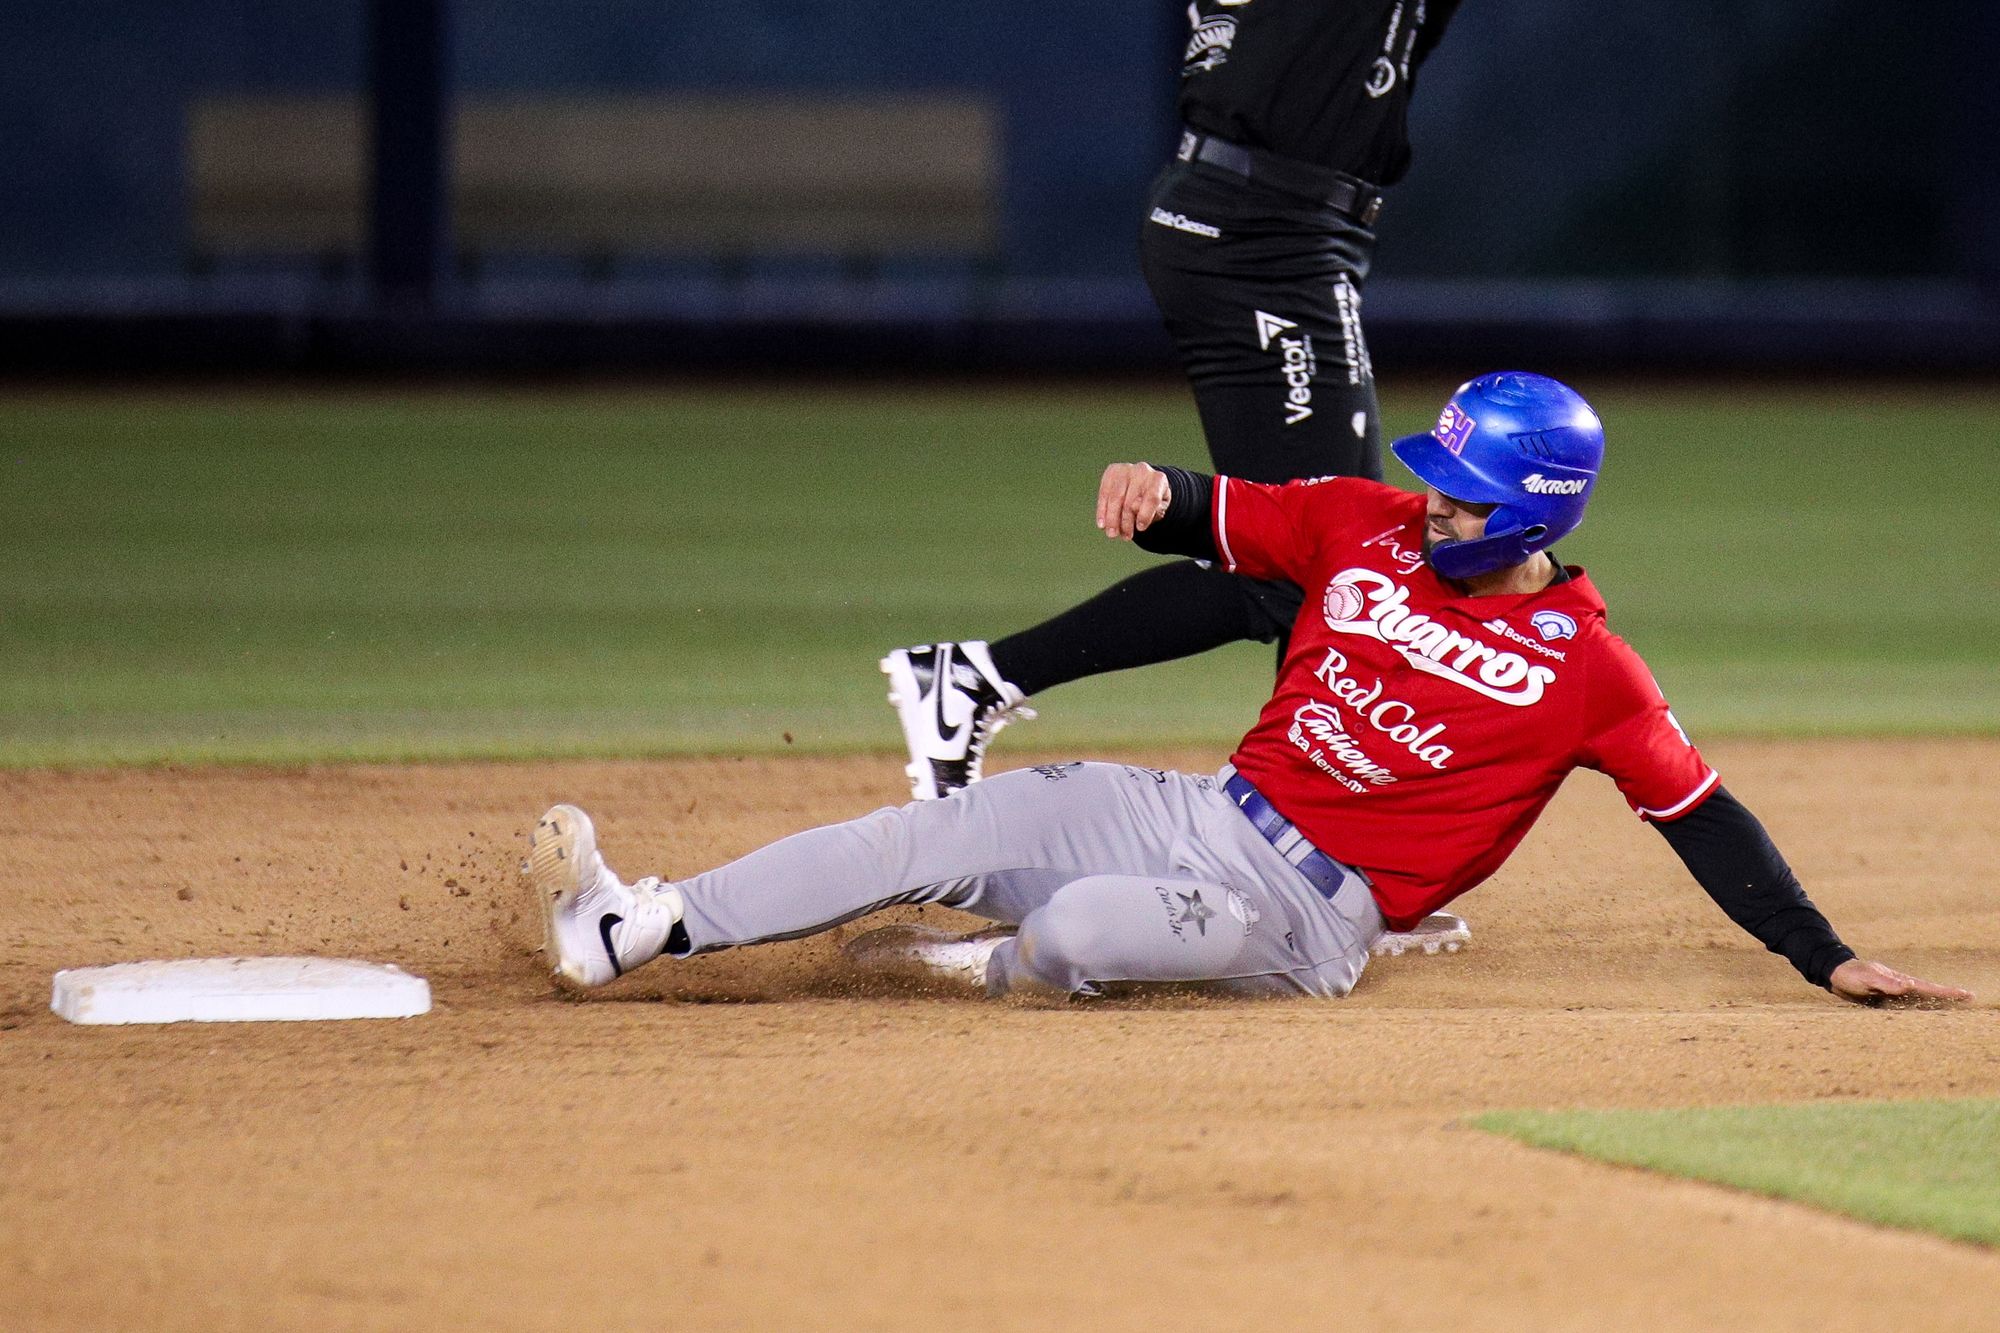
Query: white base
(238,990)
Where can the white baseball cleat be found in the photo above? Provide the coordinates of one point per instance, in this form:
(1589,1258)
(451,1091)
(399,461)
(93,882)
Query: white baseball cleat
(1438,931)
(596,927)
(951,702)
(923,953)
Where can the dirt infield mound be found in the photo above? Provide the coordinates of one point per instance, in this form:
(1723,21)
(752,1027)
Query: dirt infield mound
(758,1140)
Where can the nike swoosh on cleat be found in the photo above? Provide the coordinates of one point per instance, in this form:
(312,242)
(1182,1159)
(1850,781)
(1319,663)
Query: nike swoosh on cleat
(942,679)
(604,925)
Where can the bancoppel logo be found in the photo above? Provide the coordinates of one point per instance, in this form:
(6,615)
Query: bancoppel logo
(1375,606)
(1296,363)
(1209,46)
(1454,428)
(1537,484)
(1182,222)
(1507,631)
(1553,625)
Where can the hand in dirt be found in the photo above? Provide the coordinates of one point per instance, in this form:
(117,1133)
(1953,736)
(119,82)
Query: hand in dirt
(1866,982)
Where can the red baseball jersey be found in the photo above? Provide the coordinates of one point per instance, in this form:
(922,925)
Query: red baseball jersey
(1417,733)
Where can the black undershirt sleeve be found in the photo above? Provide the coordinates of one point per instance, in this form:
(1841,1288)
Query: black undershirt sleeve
(1184,529)
(1728,852)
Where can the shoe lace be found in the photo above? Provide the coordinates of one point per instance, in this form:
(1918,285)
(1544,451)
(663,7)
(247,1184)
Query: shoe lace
(986,724)
(998,716)
(646,893)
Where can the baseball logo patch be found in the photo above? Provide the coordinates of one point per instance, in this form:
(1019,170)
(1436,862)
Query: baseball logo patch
(1243,910)
(1454,428)
(1553,625)
(1343,604)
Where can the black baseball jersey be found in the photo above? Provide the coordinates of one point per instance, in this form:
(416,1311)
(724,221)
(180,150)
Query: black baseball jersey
(1324,81)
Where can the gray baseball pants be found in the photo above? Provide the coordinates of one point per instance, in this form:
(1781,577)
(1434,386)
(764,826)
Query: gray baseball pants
(1112,873)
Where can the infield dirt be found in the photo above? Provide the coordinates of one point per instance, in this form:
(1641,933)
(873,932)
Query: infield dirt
(757,1140)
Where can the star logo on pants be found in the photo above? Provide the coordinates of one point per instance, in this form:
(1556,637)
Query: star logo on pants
(1195,910)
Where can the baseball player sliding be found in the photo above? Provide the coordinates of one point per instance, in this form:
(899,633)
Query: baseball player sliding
(1259,238)
(1445,674)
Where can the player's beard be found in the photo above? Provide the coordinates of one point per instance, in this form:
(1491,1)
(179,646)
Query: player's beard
(1432,541)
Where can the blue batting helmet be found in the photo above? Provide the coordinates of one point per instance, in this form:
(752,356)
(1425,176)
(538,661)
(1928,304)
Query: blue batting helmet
(1524,442)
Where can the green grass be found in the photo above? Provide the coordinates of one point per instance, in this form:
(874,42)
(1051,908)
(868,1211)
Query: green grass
(262,576)
(1929,1166)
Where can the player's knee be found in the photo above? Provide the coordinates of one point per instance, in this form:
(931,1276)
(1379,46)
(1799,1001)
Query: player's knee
(1124,928)
(1064,950)
(1337,979)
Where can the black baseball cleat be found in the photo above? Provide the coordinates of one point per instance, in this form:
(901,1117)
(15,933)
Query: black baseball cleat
(951,702)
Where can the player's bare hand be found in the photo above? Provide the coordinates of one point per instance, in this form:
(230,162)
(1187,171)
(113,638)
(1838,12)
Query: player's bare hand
(1131,498)
(1866,982)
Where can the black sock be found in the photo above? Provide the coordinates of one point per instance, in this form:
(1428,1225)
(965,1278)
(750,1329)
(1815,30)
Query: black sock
(1157,615)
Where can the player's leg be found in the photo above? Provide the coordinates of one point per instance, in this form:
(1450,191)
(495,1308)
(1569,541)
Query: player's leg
(1247,436)
(1283,393)
(1000,849)
(1115,930)
(1127,626)
(953,698)
(1226,911)
(1237,917)
(1262,298)
(1112,933)
(1265,316)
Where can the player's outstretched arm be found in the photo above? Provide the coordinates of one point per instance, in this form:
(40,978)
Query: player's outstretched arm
(1730,855)
(1160,509)
(1866,982)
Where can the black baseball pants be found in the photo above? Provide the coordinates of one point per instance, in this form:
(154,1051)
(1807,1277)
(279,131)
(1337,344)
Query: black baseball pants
(1261,292)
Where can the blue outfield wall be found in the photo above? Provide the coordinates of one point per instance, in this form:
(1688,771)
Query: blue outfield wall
(1640,179)
(96,92)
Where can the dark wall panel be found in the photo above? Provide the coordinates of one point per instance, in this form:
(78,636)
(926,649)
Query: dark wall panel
(1710,138)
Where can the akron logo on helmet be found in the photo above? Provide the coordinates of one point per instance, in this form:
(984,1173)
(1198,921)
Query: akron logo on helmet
(1553,625)
(1537,484)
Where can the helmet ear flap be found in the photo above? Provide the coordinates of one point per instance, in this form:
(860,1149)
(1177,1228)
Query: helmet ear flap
(1511,536)
(1479,555)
